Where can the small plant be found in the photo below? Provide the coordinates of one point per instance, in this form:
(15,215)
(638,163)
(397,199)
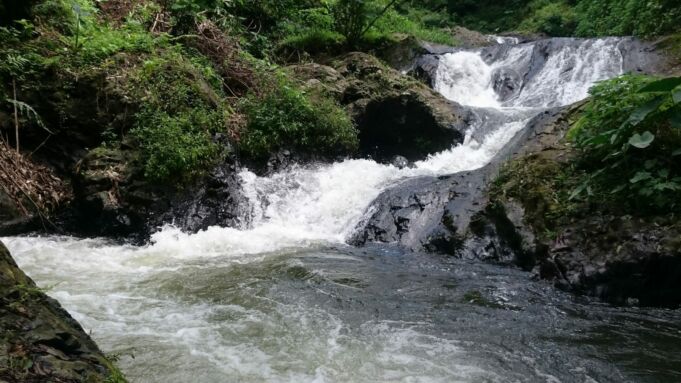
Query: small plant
(286,118)
(181,108)
(629,139)
(353,18)
(15,65)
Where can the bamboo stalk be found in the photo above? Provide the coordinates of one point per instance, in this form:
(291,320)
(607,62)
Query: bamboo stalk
(16,114)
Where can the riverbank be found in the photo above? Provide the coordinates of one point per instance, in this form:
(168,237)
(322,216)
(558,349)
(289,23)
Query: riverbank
(40,341)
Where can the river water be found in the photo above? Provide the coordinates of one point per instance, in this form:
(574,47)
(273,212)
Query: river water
(283,299)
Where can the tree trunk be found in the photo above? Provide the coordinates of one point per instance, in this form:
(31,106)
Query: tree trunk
(16,114)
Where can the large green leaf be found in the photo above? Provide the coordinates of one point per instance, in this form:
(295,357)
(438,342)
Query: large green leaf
(664,85)
(642,141)
(644,110)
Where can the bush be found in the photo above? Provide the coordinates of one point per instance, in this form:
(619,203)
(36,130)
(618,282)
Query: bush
(351,19)
(394,22)
(629,139)
(553,19)
(628,17)
(313,41)
(175,147)
(285,117)
(181,110)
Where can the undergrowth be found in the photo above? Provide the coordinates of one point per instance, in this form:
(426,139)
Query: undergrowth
(284,117)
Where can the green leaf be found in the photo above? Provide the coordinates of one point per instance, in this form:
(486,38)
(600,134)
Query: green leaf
(644,110)
(664,85)
(676,95)
(640,176)
(642,141)
(677,152)
(579,190)
(667,186)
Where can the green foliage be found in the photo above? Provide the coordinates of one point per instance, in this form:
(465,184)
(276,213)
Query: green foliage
(286,118)
(544,182)
(311,30)
(628,17)
(115,374)
(180,112)
(551,18)
(351,19)
(100,42)
(629,139)
(176,146)
(395,22)
(314,41)
(584,18)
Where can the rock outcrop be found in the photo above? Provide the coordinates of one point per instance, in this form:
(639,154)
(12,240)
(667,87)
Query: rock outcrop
(113,198)
(618,258)
(395,114)
(435,213)
(41,342)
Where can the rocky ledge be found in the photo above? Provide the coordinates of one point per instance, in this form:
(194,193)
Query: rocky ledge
(479,215)
(395,114)
(40,341)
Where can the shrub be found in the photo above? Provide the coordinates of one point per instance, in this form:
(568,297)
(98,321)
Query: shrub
(175,147)
(553,18)
(285,117)
(351,19)
(181,108)
(629,139)
(628,17)
(394,22)
(313,41)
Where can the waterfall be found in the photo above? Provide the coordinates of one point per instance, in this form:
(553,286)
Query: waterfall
(324,203)
(128,295)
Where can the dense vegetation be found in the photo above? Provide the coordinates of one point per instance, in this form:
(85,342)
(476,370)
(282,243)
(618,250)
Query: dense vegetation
(629,143)
(190,71)
(583,18)
(621,158)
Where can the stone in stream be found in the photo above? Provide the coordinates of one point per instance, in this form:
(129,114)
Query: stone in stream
(41,342)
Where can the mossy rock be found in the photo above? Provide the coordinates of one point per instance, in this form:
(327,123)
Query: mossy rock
(394,114)
(40,341)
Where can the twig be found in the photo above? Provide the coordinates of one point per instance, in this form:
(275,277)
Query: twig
(16,114)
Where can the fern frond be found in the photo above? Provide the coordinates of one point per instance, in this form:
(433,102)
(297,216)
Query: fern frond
(28,112)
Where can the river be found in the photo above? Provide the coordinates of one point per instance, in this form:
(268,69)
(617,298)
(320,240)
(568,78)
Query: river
(283,298)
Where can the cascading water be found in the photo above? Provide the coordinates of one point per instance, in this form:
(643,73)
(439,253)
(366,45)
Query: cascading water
(284,299)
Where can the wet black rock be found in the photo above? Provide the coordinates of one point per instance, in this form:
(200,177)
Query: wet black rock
(401,162)
(435,213)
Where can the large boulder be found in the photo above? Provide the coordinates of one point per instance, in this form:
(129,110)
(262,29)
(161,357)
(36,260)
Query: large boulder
(395,114)
(40,341)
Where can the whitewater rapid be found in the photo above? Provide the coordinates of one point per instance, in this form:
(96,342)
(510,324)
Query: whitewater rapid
(206,303)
